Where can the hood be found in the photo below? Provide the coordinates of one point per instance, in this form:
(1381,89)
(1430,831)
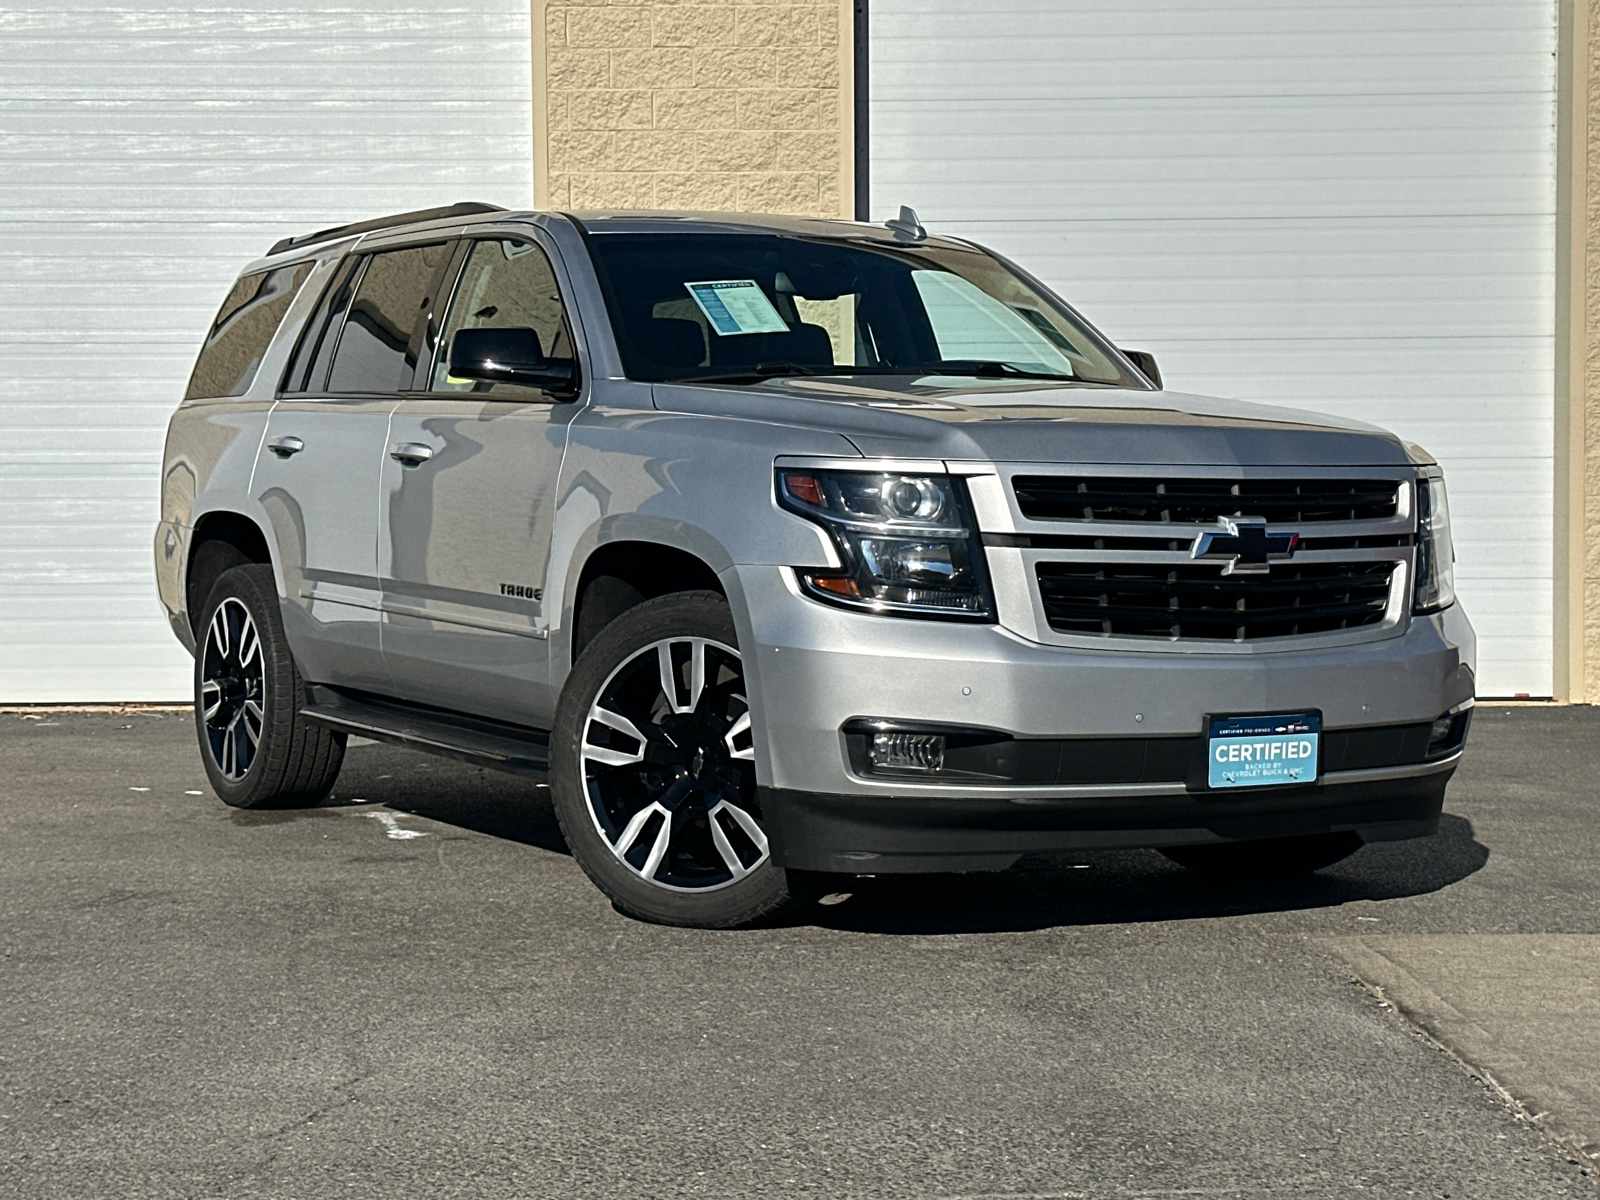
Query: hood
(1025,421)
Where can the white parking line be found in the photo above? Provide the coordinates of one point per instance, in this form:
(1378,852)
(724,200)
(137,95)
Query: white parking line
(391,826)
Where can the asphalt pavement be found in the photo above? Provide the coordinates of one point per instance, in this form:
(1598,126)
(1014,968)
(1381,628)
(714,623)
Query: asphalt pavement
(414,992)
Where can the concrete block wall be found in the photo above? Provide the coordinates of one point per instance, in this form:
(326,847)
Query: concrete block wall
(732,106)
(1588,259)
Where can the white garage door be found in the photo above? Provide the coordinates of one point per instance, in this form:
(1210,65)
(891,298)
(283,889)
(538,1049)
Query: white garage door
(1345,207)
(146,153)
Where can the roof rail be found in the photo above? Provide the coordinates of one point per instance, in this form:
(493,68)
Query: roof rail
(466,209)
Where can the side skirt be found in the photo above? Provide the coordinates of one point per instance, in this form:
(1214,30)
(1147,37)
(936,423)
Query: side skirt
(480,741)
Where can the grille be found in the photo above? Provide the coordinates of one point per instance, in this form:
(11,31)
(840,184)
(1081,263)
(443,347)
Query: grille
(1202,501)
(1196,602)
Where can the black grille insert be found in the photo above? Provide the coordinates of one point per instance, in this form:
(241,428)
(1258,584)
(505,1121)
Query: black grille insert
(1198,602)
(1202,501)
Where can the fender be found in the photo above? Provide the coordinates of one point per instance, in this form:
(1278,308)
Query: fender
(573,545)
(209,462)
(678,495)
(210,440)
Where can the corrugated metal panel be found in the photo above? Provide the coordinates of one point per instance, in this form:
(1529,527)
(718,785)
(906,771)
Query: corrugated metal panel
(1343,207)
(146,154)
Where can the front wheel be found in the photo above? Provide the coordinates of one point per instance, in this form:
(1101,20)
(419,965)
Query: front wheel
(1265,860)
(653,769)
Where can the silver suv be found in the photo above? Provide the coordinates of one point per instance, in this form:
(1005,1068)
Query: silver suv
(791,548)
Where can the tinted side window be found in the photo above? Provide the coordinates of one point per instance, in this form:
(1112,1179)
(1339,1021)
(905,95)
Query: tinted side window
(378,347)
(308,369)
(505,285)
(244,327)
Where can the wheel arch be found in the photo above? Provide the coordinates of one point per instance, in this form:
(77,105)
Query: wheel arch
(221,539)
(619,575)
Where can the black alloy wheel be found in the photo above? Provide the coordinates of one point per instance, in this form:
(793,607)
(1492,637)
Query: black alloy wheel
(669,766)
(257,750)
(233,689)
(654,769)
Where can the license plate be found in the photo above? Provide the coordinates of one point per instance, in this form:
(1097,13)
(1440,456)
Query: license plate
(1263,751)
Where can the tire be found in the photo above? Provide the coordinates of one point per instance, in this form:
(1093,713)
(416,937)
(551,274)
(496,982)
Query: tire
(653,770)
(257,750)
(1267,860)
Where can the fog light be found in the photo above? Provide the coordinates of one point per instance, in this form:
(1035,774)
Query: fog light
(1439,731)
(908,751)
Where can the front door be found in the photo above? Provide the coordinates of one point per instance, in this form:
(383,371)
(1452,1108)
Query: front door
(466,504)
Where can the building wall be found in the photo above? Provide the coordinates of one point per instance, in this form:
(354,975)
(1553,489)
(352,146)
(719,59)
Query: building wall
(148,151)
(740,104)
(733,106)
(1585,430)
(1344,209)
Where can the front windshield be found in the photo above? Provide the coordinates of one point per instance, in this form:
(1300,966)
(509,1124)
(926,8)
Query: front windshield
(688,306)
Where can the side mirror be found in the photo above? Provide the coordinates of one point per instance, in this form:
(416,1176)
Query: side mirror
(510,356)
(1146,362)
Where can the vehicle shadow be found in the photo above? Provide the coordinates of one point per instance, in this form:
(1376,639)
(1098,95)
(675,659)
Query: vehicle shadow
(1040,892)
(452,793)
(1129,886)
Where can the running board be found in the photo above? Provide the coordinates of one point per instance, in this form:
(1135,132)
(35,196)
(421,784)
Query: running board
(477,740)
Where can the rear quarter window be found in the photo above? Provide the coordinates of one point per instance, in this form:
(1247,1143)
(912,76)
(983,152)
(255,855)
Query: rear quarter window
(242,331)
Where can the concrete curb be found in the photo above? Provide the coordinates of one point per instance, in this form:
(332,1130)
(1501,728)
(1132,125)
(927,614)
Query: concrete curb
(1520,1012)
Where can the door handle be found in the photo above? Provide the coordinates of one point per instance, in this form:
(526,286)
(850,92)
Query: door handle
(410,454)
(283,447)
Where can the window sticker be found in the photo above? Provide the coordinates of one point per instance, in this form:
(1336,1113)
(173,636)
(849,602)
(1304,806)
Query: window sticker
(735,306)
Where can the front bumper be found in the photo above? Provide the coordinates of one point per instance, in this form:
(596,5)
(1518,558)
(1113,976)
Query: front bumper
(890,834)
(812,669)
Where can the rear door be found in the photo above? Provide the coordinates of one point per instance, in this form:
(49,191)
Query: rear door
(467,499)
(318,469)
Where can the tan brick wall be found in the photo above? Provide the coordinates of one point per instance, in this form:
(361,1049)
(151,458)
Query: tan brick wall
(1588,529)
(734,106)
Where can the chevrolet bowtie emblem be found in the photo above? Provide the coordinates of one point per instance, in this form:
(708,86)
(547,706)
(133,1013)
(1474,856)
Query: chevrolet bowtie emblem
(1245,543)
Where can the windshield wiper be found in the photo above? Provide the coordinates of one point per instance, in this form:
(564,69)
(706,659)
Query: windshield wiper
(761,371)
(977,369)
(980,369)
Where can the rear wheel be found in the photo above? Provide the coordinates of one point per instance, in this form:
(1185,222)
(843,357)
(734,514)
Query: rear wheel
(257,750)
(653,769)
(1267,859)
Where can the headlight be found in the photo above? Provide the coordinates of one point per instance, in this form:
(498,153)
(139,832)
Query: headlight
(1436,556)
(907,543)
